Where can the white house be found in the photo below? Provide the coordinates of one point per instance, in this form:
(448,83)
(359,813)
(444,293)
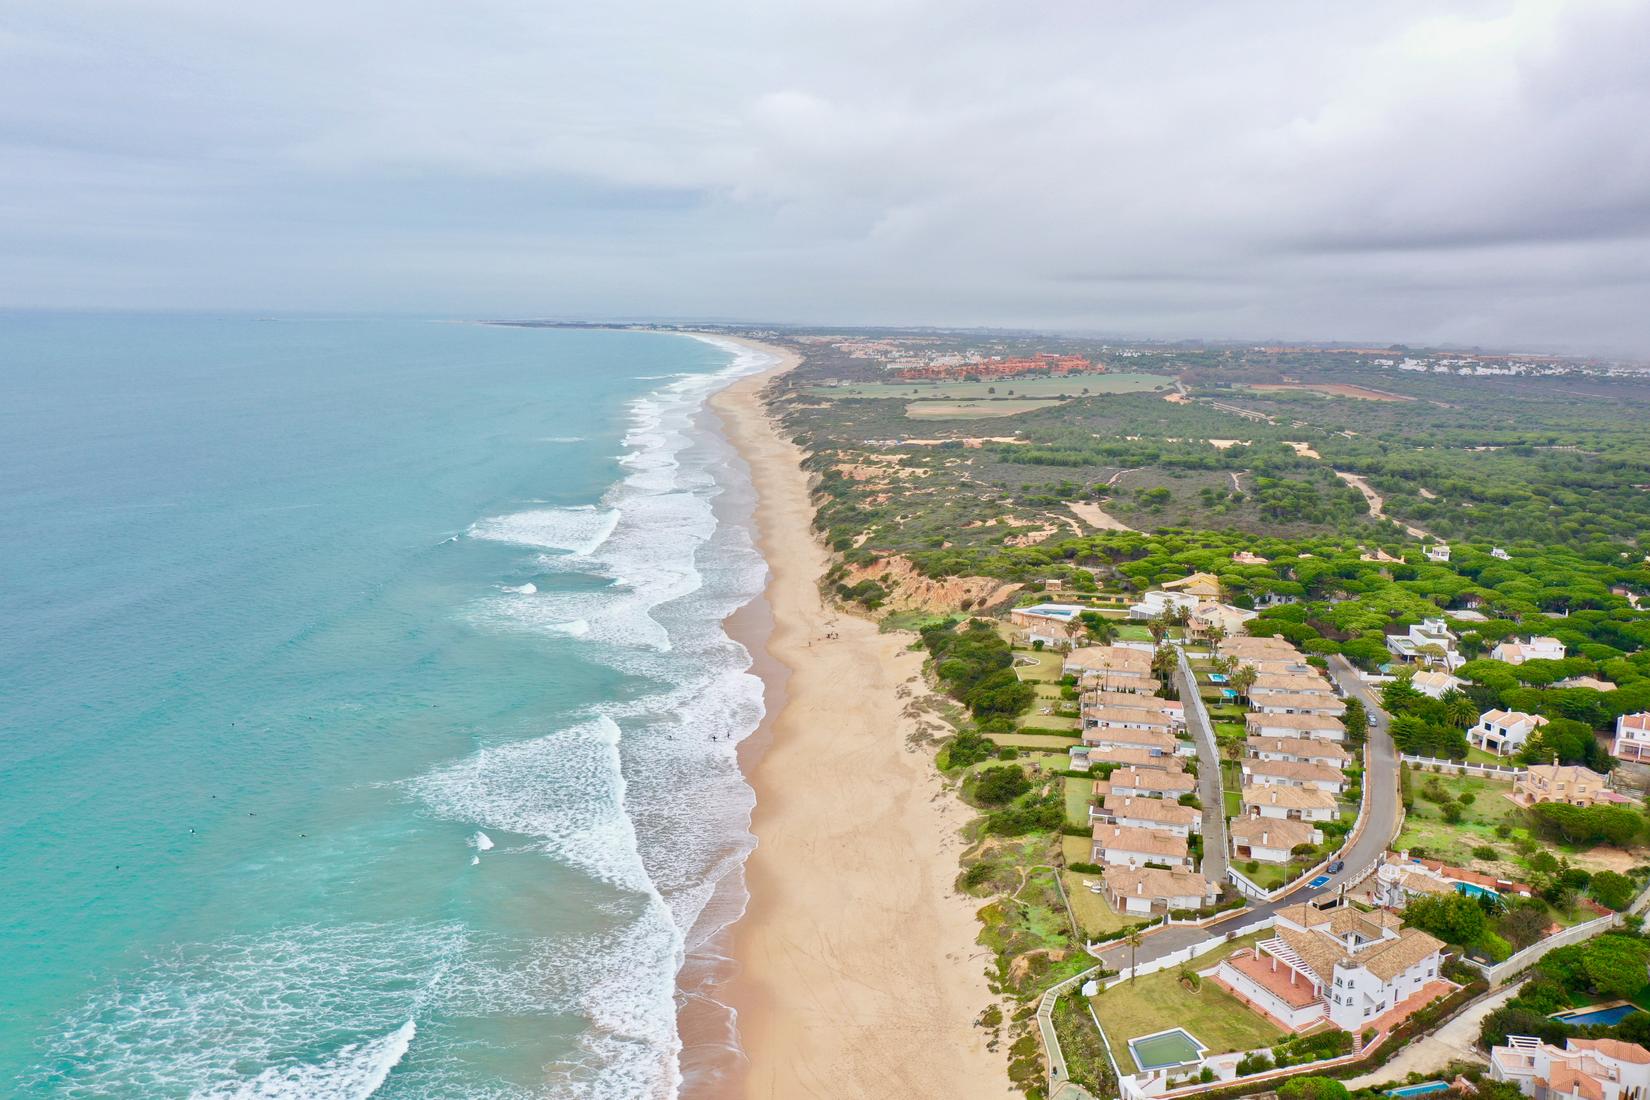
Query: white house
(1292,773)
(1269,840)
(1434,684)
(1319,727)
(1504,732)
(1538,648)
(1132,847)
(1352,967)
(1156,742)
(1633,737)
(1278,803)
(1295,703)
(1416,646)
(1152,890)
(1156,604)
(1438,551)
(1497,552)
(1584,1069)
(1397,880)
(1286,683)
(1303,750)
(1050,623)
(1150,783)
(1148,813)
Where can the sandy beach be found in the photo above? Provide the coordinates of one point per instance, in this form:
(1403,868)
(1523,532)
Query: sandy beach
(857,971)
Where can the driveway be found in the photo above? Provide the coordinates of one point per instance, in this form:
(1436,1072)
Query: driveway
(1215,847)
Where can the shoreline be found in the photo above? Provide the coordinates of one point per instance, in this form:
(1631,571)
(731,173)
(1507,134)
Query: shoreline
(854,967)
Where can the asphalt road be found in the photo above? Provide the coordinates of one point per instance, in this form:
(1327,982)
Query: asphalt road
(1215,847)
(1379,829)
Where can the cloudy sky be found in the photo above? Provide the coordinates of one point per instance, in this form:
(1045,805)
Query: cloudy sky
(1475,173)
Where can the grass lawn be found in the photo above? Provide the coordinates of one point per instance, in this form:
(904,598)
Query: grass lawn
(1133,632)
(1268,876)
(1040,723)
(1076,849)
(1233,801)
(1157,1002)
(1093,911)
(1038,665)
(1079,795)
(1025,740)
(909,620)
(1477,755)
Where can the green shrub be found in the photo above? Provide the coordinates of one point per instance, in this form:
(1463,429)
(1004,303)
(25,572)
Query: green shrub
(995,786)
(1484,851)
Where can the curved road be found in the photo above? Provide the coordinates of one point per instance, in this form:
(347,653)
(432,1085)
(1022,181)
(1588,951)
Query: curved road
(1377,830)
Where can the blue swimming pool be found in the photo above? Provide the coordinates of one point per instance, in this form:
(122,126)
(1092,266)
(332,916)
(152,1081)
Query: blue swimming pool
(1473,890)
(1611,1014)
(1217,677)
(1420,1090)
(1228,693)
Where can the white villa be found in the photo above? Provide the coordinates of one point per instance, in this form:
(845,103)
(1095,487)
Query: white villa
(1148,813)
(1434,684)
(1150,783)
(1286,683)
(1293,773)
(1318,727)
(1278,803)
(1538,648)
(1156,742)
(1134,847)
(1431,632)
(1269,840)
(1360,970)
(1584,1069)
(1302,750)
(1294,703)
(1150,890)
(1156,604)
(1438,551)
(1504,732)
(1632,738)
(1053,624)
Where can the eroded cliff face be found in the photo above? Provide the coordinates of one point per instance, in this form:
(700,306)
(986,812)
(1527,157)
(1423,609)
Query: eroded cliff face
(909,590)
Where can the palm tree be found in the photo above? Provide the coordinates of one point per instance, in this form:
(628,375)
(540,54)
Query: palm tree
(1241,680)
(1133,940)
(1459,709)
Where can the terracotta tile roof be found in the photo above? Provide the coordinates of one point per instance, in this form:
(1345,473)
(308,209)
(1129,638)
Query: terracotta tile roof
(1292,769)
(1102,698)
(1569,1081)
(1129,838)
(1269,832)
(1290,681)
(1111,657)
(1326,703)
(1297,746)
(1150,809)
(1152,779)
(1153,882)
(1319,953)
(1619,1049)
(1289,798)
(1389,959)
(1292,721)
(1135,715)
(1135,758)
(1121,735)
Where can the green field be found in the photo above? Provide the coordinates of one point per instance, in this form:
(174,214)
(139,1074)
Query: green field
(1079,794)
(1070,385)
(975,410)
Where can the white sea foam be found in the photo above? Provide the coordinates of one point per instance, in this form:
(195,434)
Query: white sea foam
(354,1073)
(578,530)
(482,842)
(565,790)
(522,589)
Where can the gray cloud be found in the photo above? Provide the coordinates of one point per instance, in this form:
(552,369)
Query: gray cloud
(1473,173)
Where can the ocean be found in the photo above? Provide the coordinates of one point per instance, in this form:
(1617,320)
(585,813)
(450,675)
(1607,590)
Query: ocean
(367,724)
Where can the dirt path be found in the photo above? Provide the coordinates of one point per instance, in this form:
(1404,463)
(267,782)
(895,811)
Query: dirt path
(1376,502)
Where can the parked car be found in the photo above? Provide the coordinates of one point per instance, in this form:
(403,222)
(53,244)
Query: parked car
(1337,867)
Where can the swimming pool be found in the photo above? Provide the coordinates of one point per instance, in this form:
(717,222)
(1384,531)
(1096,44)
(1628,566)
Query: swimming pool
(1420,1090)
(1228,693)
(1609,1014)
(1217,677)
(1175,1047)
(1473,890)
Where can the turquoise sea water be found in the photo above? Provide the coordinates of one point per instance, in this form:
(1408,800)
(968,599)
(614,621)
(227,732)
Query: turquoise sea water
(358,688)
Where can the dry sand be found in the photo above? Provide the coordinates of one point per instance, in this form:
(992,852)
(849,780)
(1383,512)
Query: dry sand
(858,972)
